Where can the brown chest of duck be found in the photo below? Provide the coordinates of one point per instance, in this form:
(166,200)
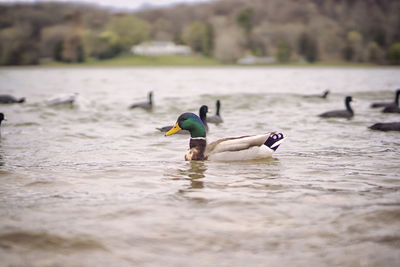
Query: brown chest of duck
(198,142)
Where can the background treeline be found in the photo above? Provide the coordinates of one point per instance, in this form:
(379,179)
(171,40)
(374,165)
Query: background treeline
(287,30)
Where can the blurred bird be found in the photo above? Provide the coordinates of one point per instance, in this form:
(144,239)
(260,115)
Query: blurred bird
(144,105)
(388,126)
(9,99)
(393,107)
(217,117)
(346,113)
(324,95)
(386,104)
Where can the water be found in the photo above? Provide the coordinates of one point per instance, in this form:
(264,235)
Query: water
(98,185)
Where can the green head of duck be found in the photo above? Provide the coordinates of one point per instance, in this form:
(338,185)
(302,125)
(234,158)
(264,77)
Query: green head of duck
(190,122)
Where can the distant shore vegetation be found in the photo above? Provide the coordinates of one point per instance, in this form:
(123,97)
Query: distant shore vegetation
(299,32)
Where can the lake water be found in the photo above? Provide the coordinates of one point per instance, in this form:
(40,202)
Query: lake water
(98,185)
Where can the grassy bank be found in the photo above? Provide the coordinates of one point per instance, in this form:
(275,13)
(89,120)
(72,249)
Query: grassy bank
(172,60)
(131,60)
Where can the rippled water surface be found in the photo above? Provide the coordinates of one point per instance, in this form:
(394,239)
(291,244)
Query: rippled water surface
(98,185)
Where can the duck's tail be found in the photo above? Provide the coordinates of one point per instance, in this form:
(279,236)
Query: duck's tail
(274,140)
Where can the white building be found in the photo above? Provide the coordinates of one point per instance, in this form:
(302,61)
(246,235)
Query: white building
(157,48)
(252,60)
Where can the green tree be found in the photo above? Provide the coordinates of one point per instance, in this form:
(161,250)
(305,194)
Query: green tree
(308,47)
(353,49)
(283,52)
(72,48)
(374,53)
(199,36)
(244,19)
(16,48)
(394,54)
(129,30)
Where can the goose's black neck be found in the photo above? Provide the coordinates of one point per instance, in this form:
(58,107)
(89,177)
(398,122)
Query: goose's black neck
(218,107)
(203,115)
(397,97)
(348,107)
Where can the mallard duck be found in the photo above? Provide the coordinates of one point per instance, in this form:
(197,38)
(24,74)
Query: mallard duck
(144,105)
(386,104)
(226,149)
(217,117)
(388,126)
(346,113)
(9,99)
(324,95)
(203,116)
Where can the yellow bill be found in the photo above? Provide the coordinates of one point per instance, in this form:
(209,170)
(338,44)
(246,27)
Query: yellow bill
(173,130)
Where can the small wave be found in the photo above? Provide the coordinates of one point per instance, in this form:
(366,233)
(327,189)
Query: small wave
(47,241)
(23,124)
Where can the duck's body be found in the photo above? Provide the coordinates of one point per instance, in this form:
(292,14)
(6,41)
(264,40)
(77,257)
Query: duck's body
(380,104)
(9,99)
(144,105)
(346,113)
(226,149)
(217,117)
(61,100)
(203,116)
(324,95)
(392,108)
(387,104)
(388,126)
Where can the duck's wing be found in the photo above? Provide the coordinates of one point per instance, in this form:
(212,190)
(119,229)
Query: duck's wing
(164,129)
(244,147)
(233,144)
(214,119)
(167,128)
(392,108)
(143,105)
(7,99)
(380,104)
(389,126)
(336,113)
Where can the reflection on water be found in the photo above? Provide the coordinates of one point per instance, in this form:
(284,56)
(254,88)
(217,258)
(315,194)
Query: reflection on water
(195,173)
(192,171)
(101,186)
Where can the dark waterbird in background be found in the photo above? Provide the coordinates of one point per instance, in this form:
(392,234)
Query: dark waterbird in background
(217,117)
(144,105)
(9,99)
(2,117)
(394,106)
(386,126)
(345,113)
(386,104)
(226,149)
(203,117)
(324,95)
